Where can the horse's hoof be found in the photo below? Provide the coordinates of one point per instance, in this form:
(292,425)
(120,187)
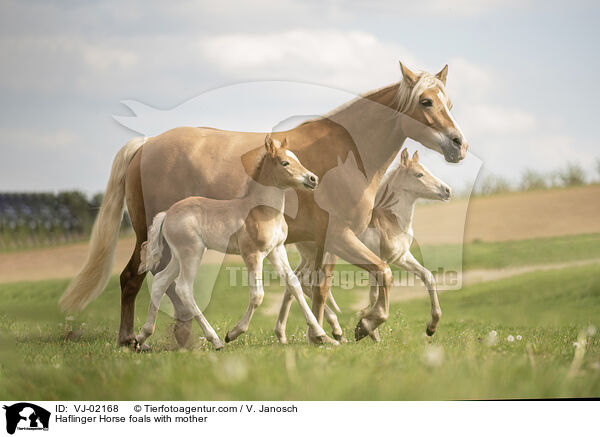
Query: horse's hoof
(429,332)
(137,346)
(361,330)
(325,339)
(374,334)
(340,337)
(281,338)
(143,348)
(127,342)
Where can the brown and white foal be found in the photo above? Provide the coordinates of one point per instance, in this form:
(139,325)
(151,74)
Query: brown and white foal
(252,226)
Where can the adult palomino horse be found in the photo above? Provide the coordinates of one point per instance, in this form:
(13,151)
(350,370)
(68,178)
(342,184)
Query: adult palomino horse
(155,173)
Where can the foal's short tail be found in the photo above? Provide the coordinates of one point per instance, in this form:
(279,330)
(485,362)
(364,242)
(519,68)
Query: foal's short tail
(93,276)
(152,249)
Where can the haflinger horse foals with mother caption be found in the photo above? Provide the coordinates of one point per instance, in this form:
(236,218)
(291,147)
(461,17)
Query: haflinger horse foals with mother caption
(348,149)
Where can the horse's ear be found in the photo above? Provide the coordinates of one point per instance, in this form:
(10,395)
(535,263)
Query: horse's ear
(284,143)
(443,74)
(409,76)
(415,157)
(275,146)
(404,158)
(269,144)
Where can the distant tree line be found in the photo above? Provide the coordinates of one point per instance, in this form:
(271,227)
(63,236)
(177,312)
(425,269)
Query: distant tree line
(572,175)
(33,219)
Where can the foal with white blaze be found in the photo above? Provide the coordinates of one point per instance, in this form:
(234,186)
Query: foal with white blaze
(252,226)
(390,235)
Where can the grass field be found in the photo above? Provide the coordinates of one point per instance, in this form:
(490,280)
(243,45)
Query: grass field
(550,310)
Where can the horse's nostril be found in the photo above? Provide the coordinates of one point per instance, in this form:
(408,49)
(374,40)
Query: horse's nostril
(448,190)
(457,141)
(312,178)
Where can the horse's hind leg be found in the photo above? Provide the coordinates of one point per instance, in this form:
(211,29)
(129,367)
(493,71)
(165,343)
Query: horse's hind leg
(161,282)
(189,260)
(184,317)
(131,281)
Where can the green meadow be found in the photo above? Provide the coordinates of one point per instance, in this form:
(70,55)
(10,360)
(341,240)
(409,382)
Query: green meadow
(550,316)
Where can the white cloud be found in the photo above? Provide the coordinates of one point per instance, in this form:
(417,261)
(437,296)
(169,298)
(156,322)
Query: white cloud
(469,80)
(354,60)
(486,119)
(467,8)
(435,8)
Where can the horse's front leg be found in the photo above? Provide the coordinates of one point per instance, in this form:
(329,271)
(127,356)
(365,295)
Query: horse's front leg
(322,273)
(279,260)
(254,261)
(303,274)
(347,245)
(410,264)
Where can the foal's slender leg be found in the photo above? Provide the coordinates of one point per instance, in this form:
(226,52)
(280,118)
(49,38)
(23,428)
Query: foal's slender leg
(348,246)
(183,315)
(288,297)
(330,316)
(322,271)
(303,272)
(162,280)
(279,260)
(410,264)
(189,259)
(254,261)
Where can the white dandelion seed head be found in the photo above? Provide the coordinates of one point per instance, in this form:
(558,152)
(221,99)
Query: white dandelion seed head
(492,338)
(510,338)
(433,356)
(519,338)
(576,345)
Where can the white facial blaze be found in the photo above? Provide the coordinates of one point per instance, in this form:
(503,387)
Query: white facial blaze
(291,155)
(444,101)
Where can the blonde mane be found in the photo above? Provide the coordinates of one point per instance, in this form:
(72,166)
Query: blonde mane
(406,97)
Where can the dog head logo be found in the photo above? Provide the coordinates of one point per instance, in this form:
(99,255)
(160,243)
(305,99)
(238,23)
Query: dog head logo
(26,416)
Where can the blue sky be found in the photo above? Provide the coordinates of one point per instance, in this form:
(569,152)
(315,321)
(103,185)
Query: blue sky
(522,74)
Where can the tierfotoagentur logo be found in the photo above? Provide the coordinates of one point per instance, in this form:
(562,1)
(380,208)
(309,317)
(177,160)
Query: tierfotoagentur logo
(26,417)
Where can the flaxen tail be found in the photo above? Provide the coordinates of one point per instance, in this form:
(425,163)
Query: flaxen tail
(152,249)
(93,276)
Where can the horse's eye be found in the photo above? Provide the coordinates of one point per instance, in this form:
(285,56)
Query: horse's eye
(285,163)
(419,175)
(426,102)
